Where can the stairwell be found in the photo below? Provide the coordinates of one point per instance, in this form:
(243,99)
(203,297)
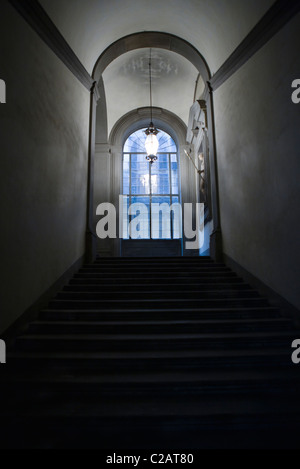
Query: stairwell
(153,353)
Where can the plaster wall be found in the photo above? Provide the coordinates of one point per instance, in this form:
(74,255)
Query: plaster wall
(43,179)
(258,141)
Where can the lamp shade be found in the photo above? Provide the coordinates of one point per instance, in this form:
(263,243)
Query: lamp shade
(152,145)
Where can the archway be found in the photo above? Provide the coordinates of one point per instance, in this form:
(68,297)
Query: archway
(109,158)
(151,210)
(151,39)
(175,44)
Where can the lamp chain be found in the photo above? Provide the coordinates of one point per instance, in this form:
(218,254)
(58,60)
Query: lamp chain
(150,73)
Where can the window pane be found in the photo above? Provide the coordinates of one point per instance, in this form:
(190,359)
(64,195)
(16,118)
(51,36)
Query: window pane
(125,217)
(140,179)
(175,175)
(126,175)
(161,218)
(166,143)
(160,176)
(177,218)
(140,220)
(136,142)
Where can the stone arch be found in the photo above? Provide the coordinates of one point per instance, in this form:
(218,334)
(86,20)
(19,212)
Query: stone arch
(136,41)
(155,40)
(110,155)
(182,47)
(139,118)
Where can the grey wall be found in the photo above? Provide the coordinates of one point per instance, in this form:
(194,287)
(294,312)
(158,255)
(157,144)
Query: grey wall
(258,151)
(43,179)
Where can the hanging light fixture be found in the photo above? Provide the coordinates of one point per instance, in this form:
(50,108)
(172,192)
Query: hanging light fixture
(151,144)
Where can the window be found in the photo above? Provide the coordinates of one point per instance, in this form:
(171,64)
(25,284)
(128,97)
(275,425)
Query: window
(155,186)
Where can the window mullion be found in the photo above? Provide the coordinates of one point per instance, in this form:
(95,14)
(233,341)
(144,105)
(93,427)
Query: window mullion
(171,194)
(150,184)
(130,194)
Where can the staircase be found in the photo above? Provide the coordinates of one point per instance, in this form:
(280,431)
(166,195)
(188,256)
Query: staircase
(153,353)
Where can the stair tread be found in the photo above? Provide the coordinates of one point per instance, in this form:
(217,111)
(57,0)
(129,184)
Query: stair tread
(162,322)
(240,406)
(160,285)
(146,291)
(159,273)
(157,262)
(183,311)
(147,269)
(183,336)
(161,300)
(145,258)
(152,377)
(152,354)
(166,280)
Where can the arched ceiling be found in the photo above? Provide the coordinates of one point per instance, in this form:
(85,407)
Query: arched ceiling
(126,82)
(214,27)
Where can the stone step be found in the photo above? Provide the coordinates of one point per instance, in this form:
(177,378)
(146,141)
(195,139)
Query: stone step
(132,342)
(214,267)
(123,314)
(206,412)
(154,383)
(154,264)
(253,430)
(160,303)
(158,327)
(77,287)
(135,293)
(168,271)
(148,281)
(156,260)
(136,276)
(153,361)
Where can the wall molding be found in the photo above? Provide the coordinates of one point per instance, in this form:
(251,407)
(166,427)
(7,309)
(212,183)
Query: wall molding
(103,148)
(38,19)
(272,22)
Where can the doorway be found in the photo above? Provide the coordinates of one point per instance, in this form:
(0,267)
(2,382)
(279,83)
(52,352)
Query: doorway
(152,219)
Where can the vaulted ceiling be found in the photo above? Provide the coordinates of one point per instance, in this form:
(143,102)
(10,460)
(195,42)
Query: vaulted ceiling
(214,27)
(127,84)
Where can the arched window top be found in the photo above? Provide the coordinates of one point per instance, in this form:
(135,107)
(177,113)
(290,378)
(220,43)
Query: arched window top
(136,142)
